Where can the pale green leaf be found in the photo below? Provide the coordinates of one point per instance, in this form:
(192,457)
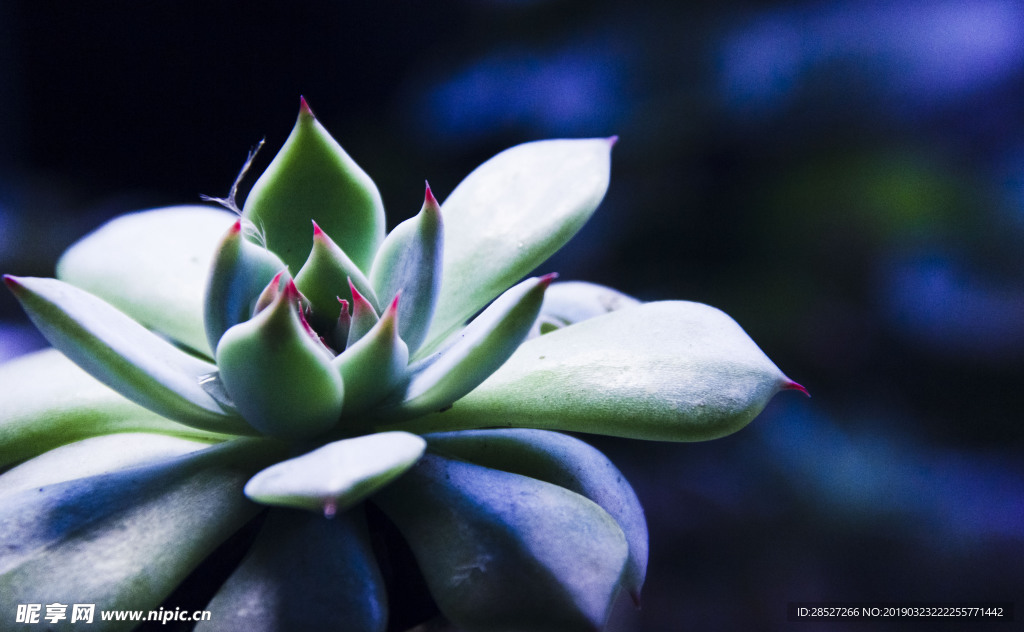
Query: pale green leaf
(325,278)
(503,552)
(49,401)
(338,475)
(564,461)
(123,354)
(509,215)
(278,374)
(153,266)
(312,178)
(374,365)
(123,540)
(668,371)
(568,302)
(304,572)
(474,354)
(93,456)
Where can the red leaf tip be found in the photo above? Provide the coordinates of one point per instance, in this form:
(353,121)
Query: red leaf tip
(317,231)
(304,108)
(12,282)
(790,385)
(428,197)
(548,278)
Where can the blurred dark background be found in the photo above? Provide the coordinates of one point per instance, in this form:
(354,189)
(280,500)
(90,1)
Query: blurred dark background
(846,179)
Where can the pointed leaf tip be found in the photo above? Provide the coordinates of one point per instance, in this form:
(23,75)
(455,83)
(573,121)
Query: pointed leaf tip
(304,108)
(612,140)
(12,282)
(428,197)
(793,386)
(546,280)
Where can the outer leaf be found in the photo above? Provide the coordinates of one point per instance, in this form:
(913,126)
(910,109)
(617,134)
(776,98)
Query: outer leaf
(123,354)
(241,270)
(338,475)
(373,366)
(312,178)
(304,573)
(93,456)
(325,277)
(123,540)
(277,373)
(511,214)
(501,551)
(564,461)
(153,266)
(668,371)
(476,352)
(571,302)
(46,401)
(409,261)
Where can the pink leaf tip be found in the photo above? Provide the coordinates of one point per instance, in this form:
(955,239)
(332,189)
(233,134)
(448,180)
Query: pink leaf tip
(304,107)
(12,282)
(790,385)
(612,140)
(428,196)
(548,278)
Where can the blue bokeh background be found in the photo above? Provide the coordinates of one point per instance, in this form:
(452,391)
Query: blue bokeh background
(846,179)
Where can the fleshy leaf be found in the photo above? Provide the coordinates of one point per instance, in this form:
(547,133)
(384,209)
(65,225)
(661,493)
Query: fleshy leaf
(123,540)
(48,401)
(240,272)
(476,352)
(409,261)
(123,354)
(363,317)
(153,266)
(509,215)
(501,551)
(667,371)
(312,178)
(325,277)
(94,456)
(278,374)
(373,366)
(338,475)
(564,461)
(304,573)
(569,302)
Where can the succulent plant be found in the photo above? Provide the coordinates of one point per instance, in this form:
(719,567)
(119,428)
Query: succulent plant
(209,365)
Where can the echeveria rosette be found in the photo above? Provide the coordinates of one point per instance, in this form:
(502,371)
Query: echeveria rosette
(297,356)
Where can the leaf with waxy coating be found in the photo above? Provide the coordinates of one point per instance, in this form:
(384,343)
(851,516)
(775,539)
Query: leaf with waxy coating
(240,272)
(476,352)
(123,540)
(509,215)
(312,178)
(93,456)
(338,475)
(568,302)
(374,365)
(409,261)
(304,572)
(153,266)
(501,551)
(123,354)
(278,374)
(362,319)
(564,461)
(668,371)
(48,401)
(325,278)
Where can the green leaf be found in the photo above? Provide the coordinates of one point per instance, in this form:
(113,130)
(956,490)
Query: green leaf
(374,365)
(278,374)
(123,354)
(501,551)
(153,266)
(93,456)
(304,572)
(48,401)
(325,278)
(409,261)
(312,178)
(564,461)
(569,302)
(475,353)
(667,371)
(509,215)
(240,272)
(338,475)
(364,317)
(123,540)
